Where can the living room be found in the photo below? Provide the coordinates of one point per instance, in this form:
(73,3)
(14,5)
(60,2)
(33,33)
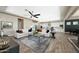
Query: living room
(29,27)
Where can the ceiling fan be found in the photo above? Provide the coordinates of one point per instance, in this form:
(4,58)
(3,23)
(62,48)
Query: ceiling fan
(32,15)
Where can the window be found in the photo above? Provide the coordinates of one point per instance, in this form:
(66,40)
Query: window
(68,23)
(75,23)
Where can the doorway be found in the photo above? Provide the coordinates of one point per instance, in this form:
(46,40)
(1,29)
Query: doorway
(20,23)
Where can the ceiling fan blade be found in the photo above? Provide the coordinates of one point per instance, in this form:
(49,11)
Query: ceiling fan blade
(37,15)
(29,11)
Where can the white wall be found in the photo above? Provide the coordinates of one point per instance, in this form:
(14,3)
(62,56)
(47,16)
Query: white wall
(28,23)
(6,17)
(11,18)
(56,25)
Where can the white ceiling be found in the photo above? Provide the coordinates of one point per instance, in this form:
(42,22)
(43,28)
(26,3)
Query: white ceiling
(76,13)
(47,13)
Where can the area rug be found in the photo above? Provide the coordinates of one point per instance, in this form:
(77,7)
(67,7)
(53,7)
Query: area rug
(33,43)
